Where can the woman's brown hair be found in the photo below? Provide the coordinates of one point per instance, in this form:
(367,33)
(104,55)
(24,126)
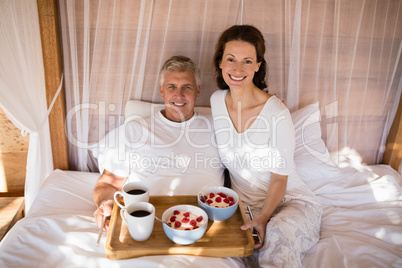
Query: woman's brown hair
(246,33)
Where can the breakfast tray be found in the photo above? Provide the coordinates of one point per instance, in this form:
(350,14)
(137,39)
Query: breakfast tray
(221,239)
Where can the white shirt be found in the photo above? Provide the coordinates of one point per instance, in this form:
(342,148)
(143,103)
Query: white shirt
(172,158)
(266,147)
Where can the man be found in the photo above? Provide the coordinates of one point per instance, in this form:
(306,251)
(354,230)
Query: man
(172,151)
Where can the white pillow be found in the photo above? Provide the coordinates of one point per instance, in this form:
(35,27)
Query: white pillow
(136,108)
(312,159)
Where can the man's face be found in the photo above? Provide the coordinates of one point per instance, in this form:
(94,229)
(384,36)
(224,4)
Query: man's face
(179,92)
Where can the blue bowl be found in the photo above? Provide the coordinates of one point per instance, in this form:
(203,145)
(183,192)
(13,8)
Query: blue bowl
(214,213)
(185,237)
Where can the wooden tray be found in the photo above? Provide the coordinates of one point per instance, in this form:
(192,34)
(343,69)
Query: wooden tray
(221,239)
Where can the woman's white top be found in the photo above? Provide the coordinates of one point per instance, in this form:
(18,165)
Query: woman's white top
(266,147)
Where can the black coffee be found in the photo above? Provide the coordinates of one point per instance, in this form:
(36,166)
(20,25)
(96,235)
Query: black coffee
(136,191)
(140,213)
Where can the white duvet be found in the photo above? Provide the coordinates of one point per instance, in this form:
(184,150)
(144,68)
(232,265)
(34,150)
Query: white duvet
(60,231)
(361,225)
(362,221)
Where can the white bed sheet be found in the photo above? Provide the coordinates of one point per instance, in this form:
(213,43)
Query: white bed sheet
(361,225)
(362,220)
(59,231)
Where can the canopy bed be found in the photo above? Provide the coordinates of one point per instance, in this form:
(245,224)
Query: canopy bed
(337,64)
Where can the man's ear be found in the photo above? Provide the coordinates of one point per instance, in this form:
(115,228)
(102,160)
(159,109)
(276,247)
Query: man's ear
(161,91)
(198,91)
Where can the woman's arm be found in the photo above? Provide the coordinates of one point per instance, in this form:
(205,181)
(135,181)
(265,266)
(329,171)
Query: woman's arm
(275,194)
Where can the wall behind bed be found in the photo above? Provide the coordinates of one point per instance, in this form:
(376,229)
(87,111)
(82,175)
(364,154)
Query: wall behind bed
(344,54)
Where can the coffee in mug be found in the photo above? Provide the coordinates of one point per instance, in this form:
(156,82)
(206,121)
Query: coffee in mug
(140,213)
(132,192)
(140,218)
(136,191)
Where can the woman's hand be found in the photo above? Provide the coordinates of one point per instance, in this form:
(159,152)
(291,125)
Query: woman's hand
(274,196)
(104,209)
(259,224)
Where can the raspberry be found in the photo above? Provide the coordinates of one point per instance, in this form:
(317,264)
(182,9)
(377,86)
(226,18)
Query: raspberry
(231,204)
(222,194)
(193,223)
(185,220)
(226,200)
(218,199)
(230,198)
(211,195)
(176,212)
(187,229)
(209,201)
(186,214)
(169,224)
(199,218)
(173,218)
(195,227)
(177,224)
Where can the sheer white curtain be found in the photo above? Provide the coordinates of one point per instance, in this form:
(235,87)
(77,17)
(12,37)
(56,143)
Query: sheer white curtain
(22,87)
(345,54)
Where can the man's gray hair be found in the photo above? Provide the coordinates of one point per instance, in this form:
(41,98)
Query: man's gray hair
(179,64)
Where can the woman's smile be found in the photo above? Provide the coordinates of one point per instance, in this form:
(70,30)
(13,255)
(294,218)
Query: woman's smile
(239,64)
(238,78)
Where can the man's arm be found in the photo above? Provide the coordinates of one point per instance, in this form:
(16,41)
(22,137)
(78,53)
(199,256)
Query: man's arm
(107,184)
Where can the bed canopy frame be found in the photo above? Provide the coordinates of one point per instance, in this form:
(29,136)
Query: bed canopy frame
(50,37)
(361,204)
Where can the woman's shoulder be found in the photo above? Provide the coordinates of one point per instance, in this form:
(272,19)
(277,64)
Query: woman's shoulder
(217,97)
(275,105)
(219,94)
(217,102)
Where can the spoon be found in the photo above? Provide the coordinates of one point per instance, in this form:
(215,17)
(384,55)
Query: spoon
(101,230)
(202,197)
(161,221)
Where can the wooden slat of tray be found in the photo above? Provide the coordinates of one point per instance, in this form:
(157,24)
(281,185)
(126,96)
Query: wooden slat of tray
(222,239)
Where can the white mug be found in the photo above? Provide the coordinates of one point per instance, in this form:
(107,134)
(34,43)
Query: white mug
(132,192)
(139,218)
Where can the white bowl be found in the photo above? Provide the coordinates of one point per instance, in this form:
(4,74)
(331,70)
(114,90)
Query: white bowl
(185,237)
(215,213)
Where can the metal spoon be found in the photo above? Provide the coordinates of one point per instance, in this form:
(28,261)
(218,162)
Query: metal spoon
(160,220)
(101,230)
(202,197)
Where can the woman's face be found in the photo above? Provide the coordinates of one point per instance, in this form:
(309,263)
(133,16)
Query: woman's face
(239,64)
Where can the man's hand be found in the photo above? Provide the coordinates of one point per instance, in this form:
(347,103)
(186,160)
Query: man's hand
(104,190)
(104,209)
(283,101)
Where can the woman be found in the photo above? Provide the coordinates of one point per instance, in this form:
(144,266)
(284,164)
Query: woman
(255,137)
